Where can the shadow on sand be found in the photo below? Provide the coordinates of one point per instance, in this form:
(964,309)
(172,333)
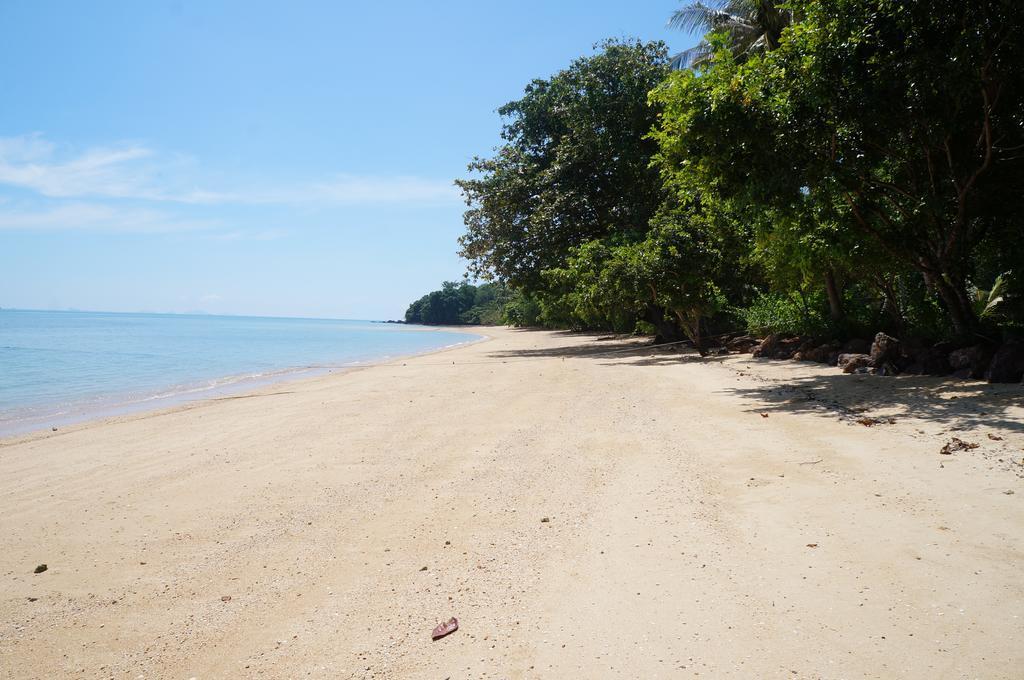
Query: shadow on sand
(948,401)
(640,351)
(798,387)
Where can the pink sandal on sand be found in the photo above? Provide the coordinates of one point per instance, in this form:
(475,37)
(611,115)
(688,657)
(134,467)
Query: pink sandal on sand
(442,629)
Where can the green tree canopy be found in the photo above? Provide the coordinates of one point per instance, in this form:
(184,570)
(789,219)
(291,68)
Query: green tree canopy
(908,114)
(575,166)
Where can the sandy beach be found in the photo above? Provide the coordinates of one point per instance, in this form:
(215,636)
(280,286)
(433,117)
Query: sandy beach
(587,508)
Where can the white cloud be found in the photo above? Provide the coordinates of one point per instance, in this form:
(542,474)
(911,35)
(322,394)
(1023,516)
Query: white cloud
(97,217)
(136,172)
(349,189)
(28,163)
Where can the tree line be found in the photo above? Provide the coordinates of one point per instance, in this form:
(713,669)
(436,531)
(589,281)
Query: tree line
(814,167)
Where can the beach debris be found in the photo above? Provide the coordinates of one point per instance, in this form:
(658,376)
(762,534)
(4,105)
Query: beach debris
(1008,492)
(764,415)
(957,444)
(995,437)
(446,628)
(53,429)
(545,520)
(812,545)
(423,568)
(31,599)
(225,598)
(868,421)
(40,569)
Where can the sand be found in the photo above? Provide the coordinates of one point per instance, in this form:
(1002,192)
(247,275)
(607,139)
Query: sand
(723,518)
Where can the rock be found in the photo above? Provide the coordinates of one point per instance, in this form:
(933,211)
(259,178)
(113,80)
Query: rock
(822,354)
(801,353)
(849,363)
(970,362)
(545,519)
(931,361)
(787,348)
(768,346)
(744,343)
(856,346)
(40,569)
(1007,364)
(888,368)
(884,349)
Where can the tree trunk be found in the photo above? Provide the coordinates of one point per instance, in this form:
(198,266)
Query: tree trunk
(691,326)
(957,302)
(667,330)
(835,298)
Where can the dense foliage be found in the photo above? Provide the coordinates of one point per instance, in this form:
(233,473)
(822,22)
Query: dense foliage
(461,303)
(825,167)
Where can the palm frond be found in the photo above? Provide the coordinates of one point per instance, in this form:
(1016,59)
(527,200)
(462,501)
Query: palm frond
(702,17)
(693,57)
(986,301)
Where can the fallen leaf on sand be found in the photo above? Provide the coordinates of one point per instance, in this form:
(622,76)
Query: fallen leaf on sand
(764,415)
(812,545)
(445,628)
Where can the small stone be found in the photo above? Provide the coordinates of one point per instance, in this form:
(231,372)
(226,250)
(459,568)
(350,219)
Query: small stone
(545,519)
(40,569)
(225,598)
(423,568)
(1008,492)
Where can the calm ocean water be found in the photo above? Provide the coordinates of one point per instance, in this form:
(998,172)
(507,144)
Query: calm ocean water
(61,367)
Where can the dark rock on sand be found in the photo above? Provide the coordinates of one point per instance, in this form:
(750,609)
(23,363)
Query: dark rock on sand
(787,348)
(885,349)
(768,346)
(1008,363)
(822,354)
(851,362)
(971,362)
(743,343)
(931,361)
(887,368)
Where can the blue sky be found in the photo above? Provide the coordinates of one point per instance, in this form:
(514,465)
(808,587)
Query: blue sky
(289,159)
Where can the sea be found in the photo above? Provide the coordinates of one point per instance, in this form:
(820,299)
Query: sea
(59,368)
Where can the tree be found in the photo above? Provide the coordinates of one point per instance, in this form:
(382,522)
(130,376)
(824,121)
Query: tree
(575,166)
(750,26)
(908,113)
(674,268)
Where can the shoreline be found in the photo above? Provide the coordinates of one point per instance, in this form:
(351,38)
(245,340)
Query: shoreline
(536,487)
(238,386)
